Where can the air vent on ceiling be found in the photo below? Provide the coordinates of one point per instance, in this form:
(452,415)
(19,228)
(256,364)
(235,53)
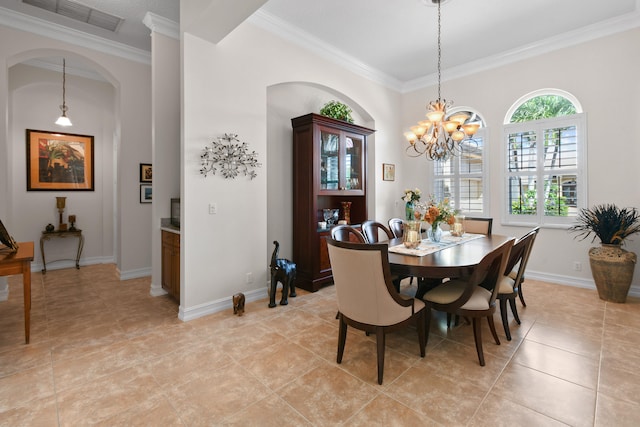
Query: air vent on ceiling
(79,12)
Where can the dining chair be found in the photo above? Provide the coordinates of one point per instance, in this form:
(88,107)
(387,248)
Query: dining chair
(478,225)
(367,299)
(510,284)
(395,225)
(473,297)
(372,229)
(347,233)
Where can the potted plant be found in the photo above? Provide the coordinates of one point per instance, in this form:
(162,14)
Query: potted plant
(612,267)
(337,110)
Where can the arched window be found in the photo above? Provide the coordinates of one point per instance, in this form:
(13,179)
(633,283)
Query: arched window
(545,140)
(462,177)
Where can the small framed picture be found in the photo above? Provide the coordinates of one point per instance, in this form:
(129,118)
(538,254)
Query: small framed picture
(388,172)
(146,172)
(145,193)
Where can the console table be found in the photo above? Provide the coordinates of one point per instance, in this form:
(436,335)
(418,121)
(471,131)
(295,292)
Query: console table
(46,235)
(20,263)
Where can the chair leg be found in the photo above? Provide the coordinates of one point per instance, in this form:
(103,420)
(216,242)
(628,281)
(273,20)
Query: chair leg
(342,337)
(524,304)
(492,326)
(420,319)
(380,344)
(505,321)
(514,309)
(427,324)
(477,335)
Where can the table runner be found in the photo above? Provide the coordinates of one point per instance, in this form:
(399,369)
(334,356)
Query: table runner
(427,247)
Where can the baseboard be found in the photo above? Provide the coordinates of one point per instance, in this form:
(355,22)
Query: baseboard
(157,291)
(219,305)
(135,274)
(69,263)
(572,281)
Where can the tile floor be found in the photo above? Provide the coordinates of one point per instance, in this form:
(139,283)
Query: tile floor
(104,352)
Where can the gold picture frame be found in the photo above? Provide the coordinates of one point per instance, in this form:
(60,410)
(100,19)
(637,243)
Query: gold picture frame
(59,161)
(146,173)
(388,172)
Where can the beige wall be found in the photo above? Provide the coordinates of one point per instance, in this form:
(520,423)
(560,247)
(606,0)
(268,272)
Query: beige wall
(118,225)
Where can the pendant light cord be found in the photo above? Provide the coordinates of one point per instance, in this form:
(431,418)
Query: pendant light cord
(64,84)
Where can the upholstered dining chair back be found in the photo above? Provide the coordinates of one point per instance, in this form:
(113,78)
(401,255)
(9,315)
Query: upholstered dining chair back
(367,299)
(510,284)
(347,233)
(478,225)
(373,229)
(363,284)
(395,225)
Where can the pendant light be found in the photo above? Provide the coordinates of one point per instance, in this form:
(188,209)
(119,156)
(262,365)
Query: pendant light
(63,120)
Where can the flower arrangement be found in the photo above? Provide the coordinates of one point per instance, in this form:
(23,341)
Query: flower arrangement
(411,195)
(435,213)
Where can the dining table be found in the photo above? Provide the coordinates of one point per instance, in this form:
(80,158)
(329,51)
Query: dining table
(456,260)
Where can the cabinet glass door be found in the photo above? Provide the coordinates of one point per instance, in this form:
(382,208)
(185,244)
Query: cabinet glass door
(329,160)
(353,162)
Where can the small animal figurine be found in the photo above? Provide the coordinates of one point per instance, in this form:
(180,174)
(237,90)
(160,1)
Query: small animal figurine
(238,304)
(283,271)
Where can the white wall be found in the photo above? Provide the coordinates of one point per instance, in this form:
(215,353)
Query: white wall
(128,230)
(603,75)
(166,141)
(225,90)
(33,106)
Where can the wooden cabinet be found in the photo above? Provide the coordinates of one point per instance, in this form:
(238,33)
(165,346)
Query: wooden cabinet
(171,264)
(329,167)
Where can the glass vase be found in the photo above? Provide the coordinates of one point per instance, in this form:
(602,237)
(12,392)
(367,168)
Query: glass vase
(434,233)
(408,211)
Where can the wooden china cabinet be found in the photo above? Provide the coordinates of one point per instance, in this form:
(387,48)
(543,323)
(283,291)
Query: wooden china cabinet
(329,167)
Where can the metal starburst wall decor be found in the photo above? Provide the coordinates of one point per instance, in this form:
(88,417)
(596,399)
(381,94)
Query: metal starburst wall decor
(229,157)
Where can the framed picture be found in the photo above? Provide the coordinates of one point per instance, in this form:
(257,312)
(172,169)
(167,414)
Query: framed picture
(146,172)
(145,193)
(388,172)
(59,161)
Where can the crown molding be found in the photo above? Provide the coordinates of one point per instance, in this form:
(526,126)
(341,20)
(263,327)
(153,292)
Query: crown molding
(23,22)
(571,38)
(292,34)
(160,24)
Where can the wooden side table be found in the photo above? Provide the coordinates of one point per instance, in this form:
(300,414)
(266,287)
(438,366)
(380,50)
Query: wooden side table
(61,234)
(20,263)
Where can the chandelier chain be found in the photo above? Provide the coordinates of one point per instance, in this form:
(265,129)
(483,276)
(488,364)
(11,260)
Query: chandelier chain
(439,52)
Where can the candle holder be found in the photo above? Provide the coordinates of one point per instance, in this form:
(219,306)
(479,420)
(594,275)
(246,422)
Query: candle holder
(457,228)
(72,220)
(411,234)
(60,204)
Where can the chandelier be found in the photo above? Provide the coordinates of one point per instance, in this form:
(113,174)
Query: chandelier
(63,120)
(439,136)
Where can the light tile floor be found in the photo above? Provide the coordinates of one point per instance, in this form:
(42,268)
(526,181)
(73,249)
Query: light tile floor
(104,352)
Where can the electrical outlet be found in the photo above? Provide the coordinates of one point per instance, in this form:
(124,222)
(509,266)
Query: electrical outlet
(577,265)
(213,208)
(249,278)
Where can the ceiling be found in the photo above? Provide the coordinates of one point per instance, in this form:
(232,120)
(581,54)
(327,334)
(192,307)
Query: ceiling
(392,40)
